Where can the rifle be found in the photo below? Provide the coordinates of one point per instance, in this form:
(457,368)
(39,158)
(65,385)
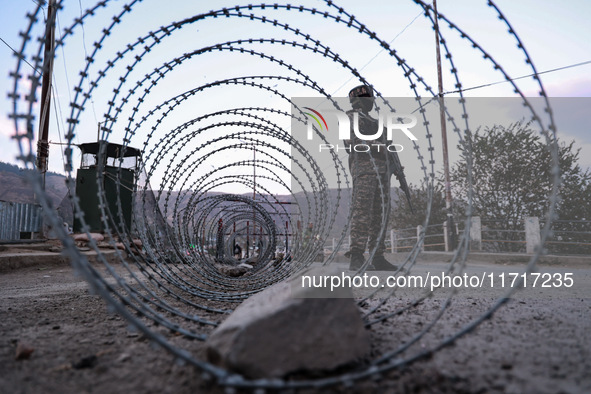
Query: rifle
(394,165)
(395,168)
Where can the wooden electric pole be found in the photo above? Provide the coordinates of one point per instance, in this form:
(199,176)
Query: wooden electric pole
(48,54)
(451,232)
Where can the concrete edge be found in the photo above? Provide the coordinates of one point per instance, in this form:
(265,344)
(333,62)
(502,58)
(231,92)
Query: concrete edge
(17,261)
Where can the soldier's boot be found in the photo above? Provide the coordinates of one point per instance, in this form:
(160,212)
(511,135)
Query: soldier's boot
(357,260)
(381,264)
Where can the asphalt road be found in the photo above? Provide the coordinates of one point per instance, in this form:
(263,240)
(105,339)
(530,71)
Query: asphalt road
(537,342)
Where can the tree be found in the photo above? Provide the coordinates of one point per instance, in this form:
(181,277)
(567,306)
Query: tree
(401,217)
(512,179)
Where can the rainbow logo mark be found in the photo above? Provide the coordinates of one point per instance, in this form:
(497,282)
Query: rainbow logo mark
(316,117)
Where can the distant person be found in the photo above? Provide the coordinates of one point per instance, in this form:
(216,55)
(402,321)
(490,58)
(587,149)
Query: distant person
(237,252)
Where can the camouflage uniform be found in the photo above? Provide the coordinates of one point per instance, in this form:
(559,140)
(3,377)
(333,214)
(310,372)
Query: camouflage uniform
(366,204)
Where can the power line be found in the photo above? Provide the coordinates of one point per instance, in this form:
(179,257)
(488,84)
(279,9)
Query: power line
(39,4)
(515,79)
(86,57)
(382,50)
(19,55)
(57,110)
(65,65)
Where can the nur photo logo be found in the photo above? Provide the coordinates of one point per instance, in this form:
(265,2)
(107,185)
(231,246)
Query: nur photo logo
(392,124)
(315,117)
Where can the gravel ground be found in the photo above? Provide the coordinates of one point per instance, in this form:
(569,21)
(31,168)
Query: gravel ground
(531,345)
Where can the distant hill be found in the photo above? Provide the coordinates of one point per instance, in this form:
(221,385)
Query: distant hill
(14,187)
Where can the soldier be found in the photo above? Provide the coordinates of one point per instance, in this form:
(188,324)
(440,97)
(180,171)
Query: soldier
(366,203)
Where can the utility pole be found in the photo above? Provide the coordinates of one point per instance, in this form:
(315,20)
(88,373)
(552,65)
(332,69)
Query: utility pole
(42,143)
(448,199)
(254,194)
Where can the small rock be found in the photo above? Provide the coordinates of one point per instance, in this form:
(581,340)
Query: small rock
(85,362)
(252,260)
(233,271)
(123,357)
(83,237)
(23,351)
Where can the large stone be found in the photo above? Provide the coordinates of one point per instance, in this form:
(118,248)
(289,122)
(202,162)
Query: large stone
(279,331)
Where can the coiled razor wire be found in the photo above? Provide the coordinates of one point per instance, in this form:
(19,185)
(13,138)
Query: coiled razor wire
(173,280)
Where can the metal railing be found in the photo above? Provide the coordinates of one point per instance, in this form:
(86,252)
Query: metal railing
(568,237)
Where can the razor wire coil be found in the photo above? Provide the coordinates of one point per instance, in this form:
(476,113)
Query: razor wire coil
(172,280)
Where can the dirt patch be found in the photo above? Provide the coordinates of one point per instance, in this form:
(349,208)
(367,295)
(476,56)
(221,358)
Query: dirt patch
(531,345)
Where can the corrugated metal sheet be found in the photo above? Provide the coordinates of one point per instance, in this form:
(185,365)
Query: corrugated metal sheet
(17,218)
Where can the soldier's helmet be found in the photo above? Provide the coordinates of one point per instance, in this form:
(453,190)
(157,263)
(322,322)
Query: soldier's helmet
(361,97)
